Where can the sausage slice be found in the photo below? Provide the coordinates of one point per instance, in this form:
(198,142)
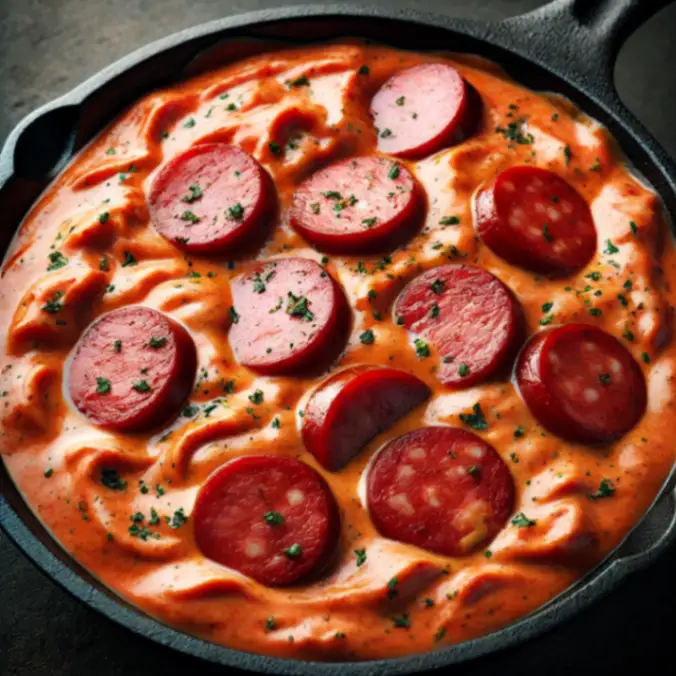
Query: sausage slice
(581,383)
(357,205)
(287,314)
(440,488)
(423,109)
(210,198)
(132,369)
(351,407)
(468,314)
(535,219)
(271,518)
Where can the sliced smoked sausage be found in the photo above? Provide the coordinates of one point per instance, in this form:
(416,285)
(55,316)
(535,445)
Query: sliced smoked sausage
(423,109)
(272,518)
(358,205)
(468,314)
(211,198)
(132,369)
(349,408)
(581,383)
(535,219)
(440,488)
(287,314)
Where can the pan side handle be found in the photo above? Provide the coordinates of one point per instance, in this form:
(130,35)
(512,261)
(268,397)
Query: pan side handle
(581,37)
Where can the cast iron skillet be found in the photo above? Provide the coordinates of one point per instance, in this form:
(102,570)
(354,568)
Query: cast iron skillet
(568,46)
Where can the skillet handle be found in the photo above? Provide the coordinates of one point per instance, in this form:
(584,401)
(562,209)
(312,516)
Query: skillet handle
(582,37)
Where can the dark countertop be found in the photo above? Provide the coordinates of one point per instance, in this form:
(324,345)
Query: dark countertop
(48,46)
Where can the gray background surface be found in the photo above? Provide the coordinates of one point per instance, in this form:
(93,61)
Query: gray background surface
(47,47)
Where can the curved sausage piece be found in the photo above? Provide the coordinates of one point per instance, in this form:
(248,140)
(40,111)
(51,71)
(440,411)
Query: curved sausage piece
(287,314)
(132,369)
(440,488)
(423,109)
(351,407)
(535,219)
(358,205)
(210,198)
(469,315)
(269,517)
(581,383)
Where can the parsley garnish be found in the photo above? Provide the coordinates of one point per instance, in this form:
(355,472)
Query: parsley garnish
(234,316)
(421,348)
(294,551)
(567,153)
(256,397)
(475,420)
(514,132)
(369,222)
(633,226)
(401,621)
(449,220)
(363,70)
(610,248)
(520,520)
(434,311)
(56,260)
(367,338)
(110,478)
(275,148)
(394,172)
(142,386)
(463,370)
(178,519)
(129,259)
(54,304)
(437,286)
(156,342)
(190,217)
(273,518)
(236,212)
(297,307)
(361,556)
(195,194)
(102,385)
(605,490)
(300,82)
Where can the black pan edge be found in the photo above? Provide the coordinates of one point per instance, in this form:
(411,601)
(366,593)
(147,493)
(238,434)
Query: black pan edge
(647,540)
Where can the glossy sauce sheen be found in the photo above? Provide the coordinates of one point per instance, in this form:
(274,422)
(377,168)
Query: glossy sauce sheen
(123,503)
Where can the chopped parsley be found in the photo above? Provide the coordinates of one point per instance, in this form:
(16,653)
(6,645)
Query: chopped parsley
(270,624)
(475,420)
(605,490)
(449,220)
(610,248)
(633,226)
(545,232)
(142,386)
(129,259)
(102,385)
(514,132)
(363,70)
(368,337)
(48,473)
(361,556)
(275,148)
(194,194)
(568,154)
(236,212)
(369,222)
(110,478)
(546,307)
(294,551)
(189,123)
(257,397)
(177,520)
(190,217)
(439,634)
(421,348)
(394,172)
(157,341)
(437,286)
(273,518)
(434,311)
(103,264)
(302,81)
(401,621)
(401,100)
(385,133)
(463,370)
(56,260)
(520,520)
(392,587)
(297,307)
(519,432)
(234,316)
(645,357)
(53,304)
(604,378)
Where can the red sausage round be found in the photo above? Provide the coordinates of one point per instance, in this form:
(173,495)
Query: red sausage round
(440,488)
(357,205)
(421,110)
(269,517)
(535,219)
(132,369)
(581,383)
(468,314)
(349,408)
(210,198)
(288,314)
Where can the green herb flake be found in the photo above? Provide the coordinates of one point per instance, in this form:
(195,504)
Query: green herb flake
(610,248)
(56,260)
(520,520)
(367,337)
(298,307)
(605,490)
(434,311)
(195,192)
(177,520)
(475,420)
(53,304)
(422,350)
(142,386)
(361,556)
(273,518)
(257,397)
(519,432)
(129,260)
(48,473)
(401,100)
(463,370)
(102,385)
(449,220)
(546,307)
(633,226)
(157,341)
(437,286)
(645,357)
(234,315)
(401,621)
(236,212)
(363,70)
(568,154)
(275,148)
(394,172)
(294,551)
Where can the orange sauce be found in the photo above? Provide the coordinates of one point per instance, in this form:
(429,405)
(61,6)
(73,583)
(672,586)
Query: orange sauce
(55,457)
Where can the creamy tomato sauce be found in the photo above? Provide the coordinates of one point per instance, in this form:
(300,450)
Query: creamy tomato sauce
(122,503)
